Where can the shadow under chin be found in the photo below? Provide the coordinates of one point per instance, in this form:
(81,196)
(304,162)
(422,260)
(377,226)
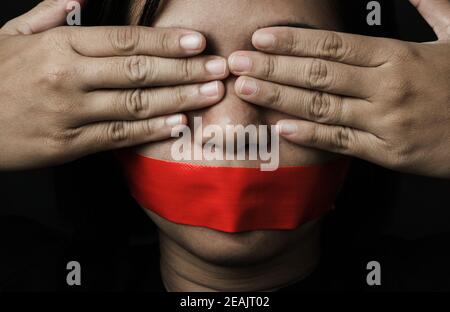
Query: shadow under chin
(239,249)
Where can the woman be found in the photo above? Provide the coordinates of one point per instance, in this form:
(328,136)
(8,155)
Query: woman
(201,257)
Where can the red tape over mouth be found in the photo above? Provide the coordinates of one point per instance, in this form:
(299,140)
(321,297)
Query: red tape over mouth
(230,199)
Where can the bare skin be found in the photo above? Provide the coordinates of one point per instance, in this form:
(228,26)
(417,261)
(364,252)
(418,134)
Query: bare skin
(67,92)
(382,100)
(201,259)
(183,270)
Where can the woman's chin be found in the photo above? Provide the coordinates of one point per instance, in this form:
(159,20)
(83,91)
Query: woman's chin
(235,249)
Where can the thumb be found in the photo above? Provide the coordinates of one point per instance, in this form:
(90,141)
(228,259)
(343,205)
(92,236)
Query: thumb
(46,15)
(437,14)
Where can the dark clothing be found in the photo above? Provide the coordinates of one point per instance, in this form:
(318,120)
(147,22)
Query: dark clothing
(83,212)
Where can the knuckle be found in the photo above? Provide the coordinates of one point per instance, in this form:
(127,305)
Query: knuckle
(181,97)
(325,108)
(400,88)
(137,68)
(186,68)
(342,138)
(318,74)
(331,46)
(269,67)
(275,98)
(314,136)
(124,39)
(412,53)
(55,75)
(148,128)
(405,52)
(320,107)
(163,39)
(400,155)
(118,132)
(136,104)
(404,125)
(60,140)
(290,43)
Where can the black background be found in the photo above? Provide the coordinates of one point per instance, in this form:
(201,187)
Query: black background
(82,211)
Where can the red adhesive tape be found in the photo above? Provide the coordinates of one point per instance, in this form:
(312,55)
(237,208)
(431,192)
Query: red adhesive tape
(230,199)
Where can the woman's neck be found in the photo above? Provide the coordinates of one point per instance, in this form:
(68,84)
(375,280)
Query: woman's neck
(184,272)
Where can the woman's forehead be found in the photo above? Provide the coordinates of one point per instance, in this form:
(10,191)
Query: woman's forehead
(229,24)
(321,13)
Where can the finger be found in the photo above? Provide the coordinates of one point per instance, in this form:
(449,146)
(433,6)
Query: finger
(335,46)
(46,15)
(437,14)
(309,73)
(306,104)
(335,139)
(144,71)
(136,40)
(119,134)
(139,104)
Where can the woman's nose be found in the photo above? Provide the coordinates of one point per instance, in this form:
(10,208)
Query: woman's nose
(230,111)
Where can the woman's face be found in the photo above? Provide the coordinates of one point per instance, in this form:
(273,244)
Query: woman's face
(228,26)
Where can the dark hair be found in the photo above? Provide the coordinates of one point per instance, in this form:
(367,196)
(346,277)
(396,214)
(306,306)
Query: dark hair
(115,12)
(150,9)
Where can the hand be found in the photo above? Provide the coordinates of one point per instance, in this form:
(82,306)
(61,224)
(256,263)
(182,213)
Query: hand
(382,100)
(69,91)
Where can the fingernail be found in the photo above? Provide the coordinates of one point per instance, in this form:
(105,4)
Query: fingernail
(191,42)
(248,87)
(174,120)
(210,89)
(216,67)
(287,128)
(263,40)
(240,63)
